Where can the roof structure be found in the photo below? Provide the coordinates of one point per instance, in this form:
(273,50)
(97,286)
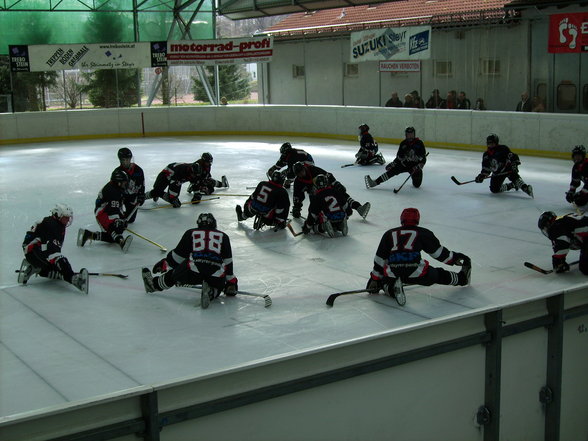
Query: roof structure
(437,13)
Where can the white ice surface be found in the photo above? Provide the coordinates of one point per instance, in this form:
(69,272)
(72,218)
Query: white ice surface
(57,345)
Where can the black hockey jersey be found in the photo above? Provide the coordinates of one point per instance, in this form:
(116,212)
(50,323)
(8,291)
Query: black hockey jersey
(292,157)
(306,182)
(48,236)
(329,201)
(579,175)
(498,160)
(178,172)
(109,204)
(270,197)
(411,152)
(136,184)
(568,233)
(368,143)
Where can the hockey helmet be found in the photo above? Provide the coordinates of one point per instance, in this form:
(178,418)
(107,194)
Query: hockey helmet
(363,128)
(545,221)
(409,129)
(206,221)
(321,181)
(410,216)
(120,177)
(298,168)
(277,177)
(206,157)
(285,148)
(579,150)
(492,139)
(63,213)
(124,153)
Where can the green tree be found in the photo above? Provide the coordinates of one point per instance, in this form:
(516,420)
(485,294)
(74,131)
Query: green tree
(233,80)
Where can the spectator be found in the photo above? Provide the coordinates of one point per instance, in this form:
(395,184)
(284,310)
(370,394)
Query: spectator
(435,100)
(524,104)
(394,101)
(408,100)
(463,103)
(224,101)
(451,101)
(417,100)
(537,104)
(480,105)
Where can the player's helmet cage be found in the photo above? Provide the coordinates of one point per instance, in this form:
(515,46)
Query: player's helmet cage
(63,213)
(285,148)
(206,221)
(410,216)
(363,128)
(492,139)
(120,177)
(277,177)
(321,181)
(206,157)
(545,221)
(298,168)
(124,153)
(579,150)
(410,130)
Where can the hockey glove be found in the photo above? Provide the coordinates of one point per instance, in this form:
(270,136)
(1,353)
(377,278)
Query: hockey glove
(560,265)
(231,287)
(480,178)
(570,196)
(175,202)
(119,226)
(373,286)
(459,258)
(141,198)
(161,267)
(296,212)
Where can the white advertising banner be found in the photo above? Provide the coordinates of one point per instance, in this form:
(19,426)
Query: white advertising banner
(227,51)
(408,43)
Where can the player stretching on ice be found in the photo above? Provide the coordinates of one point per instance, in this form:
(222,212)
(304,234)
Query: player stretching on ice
(172,177)
(569,232)
(398,259)
(410,158)
(135,191)
(203,183)
(42,250)
(368,150)
(579,176)
(110,214)
(203,256)
(328,209)
(269,202)
(288,157)
(501,163)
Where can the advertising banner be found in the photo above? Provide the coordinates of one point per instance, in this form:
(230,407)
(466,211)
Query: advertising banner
(568,33)
(227,51)
(408,43)
(400,66)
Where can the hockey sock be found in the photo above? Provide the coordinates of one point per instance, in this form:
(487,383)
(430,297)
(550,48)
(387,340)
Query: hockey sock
(449,278)
(382,178)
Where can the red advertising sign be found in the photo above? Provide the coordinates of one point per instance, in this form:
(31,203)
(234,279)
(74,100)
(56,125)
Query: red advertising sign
(568,33)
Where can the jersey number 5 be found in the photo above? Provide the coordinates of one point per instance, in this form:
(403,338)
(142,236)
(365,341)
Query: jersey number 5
(207,241)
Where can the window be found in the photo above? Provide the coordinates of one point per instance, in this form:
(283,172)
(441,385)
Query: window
(585,97)
(351,69)
(490,67)
(566,96)
(297,71)
(443,69)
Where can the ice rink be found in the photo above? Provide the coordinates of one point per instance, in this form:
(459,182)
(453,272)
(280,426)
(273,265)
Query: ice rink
(58,345)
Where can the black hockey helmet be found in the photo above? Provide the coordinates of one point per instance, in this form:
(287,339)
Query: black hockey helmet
(285,148)
(120,177)
(277,177)
(206,221)
(579,150)
(321,181)
(124,153)
(206,157)
(492,139)
(545,220)
(410,129)
(410,216)
(363,128)
(298,168)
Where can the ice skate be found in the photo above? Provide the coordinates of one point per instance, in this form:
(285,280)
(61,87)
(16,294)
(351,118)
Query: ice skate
(224,181)
(239,211)
(25,272)
(126,243)
(364,209)
(83,236)
(81,280)
(528,189)
(465,274)
(148,280)
(205,295)
(369,182)
(328,229)
(398,291)
(342,227)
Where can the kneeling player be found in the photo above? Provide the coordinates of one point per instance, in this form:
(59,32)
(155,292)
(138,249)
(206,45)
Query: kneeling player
(398,259)
(368,150)
(566,233)
(269,202)
(328,209)
(288,157)
(172,177)
(579,177)
(42,250)
(203,256)
(203,182)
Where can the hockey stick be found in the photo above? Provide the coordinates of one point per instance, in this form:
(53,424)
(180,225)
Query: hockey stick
(396,190)
(267,299)
(541,270)
(120,276)
(239,195)
(161,247)
(183,203)
(454,179)
(289,225)
(349,165)
(332,297)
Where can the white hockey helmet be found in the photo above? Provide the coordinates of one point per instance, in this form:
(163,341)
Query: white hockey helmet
(64,213)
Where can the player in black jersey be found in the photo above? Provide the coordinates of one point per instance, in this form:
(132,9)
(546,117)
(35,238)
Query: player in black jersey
(304,183)
(288,157)
(410,158)
(398,259)
(42,249)
(368,150)
(569,232)
(501,163)
(203,183)
(328,209)
(172,177)
(110,214)
(579,177)
(135,191)
(269,202)
(202,256)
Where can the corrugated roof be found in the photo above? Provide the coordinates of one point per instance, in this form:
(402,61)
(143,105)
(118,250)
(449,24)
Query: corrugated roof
(408,12)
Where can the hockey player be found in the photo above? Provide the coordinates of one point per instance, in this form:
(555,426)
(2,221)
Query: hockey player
(328,209)
(135,191)
(579,177)
(172,177)
(270,202)
(501,163)
(398,259)
(203,183)
(368,150)
(569,232)
(288,157)
(410,158)
(110,214)
(203,256)
(304,182)
(42,250)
